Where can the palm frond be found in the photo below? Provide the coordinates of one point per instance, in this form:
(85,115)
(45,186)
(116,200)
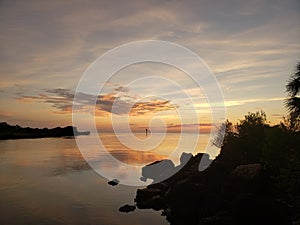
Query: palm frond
(293,105)
(293,85)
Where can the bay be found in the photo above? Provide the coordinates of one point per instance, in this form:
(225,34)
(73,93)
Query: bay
(47,181)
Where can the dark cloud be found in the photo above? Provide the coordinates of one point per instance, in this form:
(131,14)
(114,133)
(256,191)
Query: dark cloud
(63,101)
(121,89)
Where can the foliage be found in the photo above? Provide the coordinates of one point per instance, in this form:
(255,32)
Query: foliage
(243,142)
(225,130)
(275,147)
(293,101)
(291,124)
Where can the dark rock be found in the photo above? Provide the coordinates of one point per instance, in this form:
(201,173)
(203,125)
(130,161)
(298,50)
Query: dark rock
(163,186)
(205,162)
(158,171)
(185,157)
(113,182)
(127,208)
(148,192)
(220,195)
(150,198)
(247,172)
(144,179)
(190,165)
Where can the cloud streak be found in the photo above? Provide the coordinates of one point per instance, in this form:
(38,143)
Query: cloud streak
(62,100)
(231,103)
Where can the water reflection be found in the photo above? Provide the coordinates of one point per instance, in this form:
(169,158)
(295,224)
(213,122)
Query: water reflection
(112,160)
(136,156)
(46,181)
(169,146)
(70,160)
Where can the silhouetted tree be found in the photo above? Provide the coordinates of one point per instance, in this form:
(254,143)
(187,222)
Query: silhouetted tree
(293,102)
(224,131)
(243,143)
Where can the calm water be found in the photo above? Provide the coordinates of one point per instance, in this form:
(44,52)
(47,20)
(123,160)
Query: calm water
(46,181)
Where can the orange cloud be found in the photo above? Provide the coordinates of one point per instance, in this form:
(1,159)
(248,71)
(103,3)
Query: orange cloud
(62,100)
(152,106)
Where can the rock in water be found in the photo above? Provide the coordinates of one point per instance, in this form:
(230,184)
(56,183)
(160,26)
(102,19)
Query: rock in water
(127,208)
(158,171)
(113,182)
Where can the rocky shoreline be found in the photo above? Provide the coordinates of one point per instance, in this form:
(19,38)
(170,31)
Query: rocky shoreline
(217,196)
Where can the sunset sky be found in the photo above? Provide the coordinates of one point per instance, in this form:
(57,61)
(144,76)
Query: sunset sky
(251,46)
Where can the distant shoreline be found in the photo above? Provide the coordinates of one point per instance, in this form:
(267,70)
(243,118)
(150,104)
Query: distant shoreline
(8,132)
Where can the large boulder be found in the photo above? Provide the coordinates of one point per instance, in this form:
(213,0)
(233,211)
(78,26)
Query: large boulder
(158,171)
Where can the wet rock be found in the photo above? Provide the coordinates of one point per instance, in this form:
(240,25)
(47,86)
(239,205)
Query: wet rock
(150,198)
(127,208)
(113,182)
(158,171)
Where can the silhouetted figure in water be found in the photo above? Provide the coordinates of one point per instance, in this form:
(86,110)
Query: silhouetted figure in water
(146,132)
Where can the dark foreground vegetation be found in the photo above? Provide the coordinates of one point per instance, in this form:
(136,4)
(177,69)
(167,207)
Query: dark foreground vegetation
(16,132)
(254,180)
